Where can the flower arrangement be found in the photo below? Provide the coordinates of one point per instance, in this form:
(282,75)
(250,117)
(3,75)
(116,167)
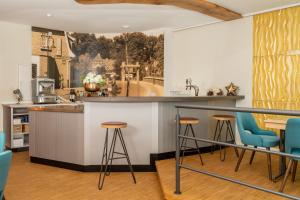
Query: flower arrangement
(92,82)
(92,77)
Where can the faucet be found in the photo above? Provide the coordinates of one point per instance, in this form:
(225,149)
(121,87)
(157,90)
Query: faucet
(190,86)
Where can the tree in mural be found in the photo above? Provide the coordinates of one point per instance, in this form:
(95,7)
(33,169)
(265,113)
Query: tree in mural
(148,51)
(85,44)
(104,47)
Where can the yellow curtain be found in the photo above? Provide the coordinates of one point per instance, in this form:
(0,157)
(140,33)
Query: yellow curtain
(276,61)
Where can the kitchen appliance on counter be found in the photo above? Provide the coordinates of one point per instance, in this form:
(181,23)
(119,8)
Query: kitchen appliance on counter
(43,91)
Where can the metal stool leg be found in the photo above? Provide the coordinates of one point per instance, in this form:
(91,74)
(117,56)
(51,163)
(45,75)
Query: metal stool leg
(107,159)
(196,143)
(219,139)
(126,153)
(114,141)
(212,149)
(226,136)
(104,157)
(232,137)
(183,143)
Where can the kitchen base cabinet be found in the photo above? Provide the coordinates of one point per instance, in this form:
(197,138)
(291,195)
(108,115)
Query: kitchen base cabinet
(57,136)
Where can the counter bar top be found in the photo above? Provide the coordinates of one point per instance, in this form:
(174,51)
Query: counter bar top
(59,108)
(160,99)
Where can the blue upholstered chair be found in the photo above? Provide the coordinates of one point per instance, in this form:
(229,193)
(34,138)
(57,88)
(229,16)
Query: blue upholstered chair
(5,161)
(2,141)
(252,135)
(292,146)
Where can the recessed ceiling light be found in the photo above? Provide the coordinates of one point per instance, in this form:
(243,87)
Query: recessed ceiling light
(49,15)
(125,26)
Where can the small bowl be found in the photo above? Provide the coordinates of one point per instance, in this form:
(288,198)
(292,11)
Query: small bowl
(91,87)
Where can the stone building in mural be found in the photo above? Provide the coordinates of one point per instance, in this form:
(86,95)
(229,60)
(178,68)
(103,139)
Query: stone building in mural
(56,56)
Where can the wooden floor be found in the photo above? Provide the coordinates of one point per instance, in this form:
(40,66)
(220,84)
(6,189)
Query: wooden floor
(28,181)
(199,186)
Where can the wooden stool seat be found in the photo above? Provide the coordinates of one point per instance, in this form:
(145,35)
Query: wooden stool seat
(189,120)
(114,125)
(224,117)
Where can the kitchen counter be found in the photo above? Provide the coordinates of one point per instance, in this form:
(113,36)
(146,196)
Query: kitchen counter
(161,99)
(65,135)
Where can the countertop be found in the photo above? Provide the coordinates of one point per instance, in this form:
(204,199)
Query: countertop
(160,99)
(30,105)
(59,108)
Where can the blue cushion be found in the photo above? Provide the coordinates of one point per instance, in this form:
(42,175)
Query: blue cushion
(269,141)
(265,132)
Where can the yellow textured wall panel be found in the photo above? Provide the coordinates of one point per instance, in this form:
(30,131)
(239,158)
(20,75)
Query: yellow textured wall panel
(276,63)
(277,32)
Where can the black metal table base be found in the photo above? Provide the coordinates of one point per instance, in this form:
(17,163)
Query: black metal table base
(108,157)
(282,159)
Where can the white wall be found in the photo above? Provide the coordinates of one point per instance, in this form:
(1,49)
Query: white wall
(15,50)
(213,56)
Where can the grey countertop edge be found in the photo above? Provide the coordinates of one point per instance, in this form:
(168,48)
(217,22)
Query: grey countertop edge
(160,99)
(59,111)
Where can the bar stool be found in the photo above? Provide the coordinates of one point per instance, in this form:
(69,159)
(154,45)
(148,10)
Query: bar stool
(221,120)
(108,157)
(189,122)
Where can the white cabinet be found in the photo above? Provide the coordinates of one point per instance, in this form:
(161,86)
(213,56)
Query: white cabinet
(16,126)
(57,136)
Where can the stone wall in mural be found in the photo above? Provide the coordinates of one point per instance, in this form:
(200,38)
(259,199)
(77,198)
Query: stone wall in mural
(134,62)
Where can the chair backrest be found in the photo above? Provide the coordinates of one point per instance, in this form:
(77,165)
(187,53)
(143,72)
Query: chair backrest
(2,141)
(5,162)
(292,135)
(246,121)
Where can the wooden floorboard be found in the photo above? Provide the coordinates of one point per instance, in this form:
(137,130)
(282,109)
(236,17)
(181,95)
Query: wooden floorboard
(28,181)
(195,186)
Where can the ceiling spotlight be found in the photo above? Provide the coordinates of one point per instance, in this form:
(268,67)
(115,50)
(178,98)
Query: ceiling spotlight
(125,26)
(49,15)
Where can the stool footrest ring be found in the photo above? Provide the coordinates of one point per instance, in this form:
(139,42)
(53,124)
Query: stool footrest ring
(116,158)
(120,153)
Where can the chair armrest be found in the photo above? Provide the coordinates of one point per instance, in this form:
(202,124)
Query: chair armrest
(251,139)
(265,132)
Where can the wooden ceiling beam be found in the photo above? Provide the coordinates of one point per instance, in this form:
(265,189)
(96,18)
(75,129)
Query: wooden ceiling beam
(201,6)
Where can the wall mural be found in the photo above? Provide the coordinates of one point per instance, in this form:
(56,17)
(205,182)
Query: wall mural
(127,64)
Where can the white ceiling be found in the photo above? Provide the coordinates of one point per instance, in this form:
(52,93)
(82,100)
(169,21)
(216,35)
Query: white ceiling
(70,16)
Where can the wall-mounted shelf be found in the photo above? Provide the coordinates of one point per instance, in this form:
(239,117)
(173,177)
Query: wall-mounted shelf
(20,114)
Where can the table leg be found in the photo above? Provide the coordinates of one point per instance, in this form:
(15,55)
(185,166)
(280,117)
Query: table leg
(282,159)
(282,149)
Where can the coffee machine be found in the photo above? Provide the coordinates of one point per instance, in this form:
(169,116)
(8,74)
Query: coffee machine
(43,91)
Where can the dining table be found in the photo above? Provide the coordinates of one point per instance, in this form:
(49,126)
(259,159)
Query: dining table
(279,124)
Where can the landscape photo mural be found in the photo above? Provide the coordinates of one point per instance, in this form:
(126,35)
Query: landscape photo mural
(130,64)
